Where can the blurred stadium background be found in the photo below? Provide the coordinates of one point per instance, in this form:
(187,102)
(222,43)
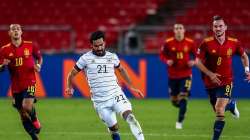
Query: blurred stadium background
(135,29)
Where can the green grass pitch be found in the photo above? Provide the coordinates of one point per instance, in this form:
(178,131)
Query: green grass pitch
(75,119)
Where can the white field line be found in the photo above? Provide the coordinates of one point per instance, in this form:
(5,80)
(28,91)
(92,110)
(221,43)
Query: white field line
(128,134)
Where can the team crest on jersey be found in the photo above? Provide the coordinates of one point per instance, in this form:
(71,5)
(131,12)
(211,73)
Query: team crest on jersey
(229,52)
(213,51)
(185,48)
(26,52)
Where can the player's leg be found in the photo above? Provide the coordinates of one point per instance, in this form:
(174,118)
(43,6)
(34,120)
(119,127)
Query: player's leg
(232,105)
(108,116)
(133,124)
(173,92)
(114,132)
(212,97)
(220,115)
(223,96)
(29,107)
(184,86)
(25,118)
(123,107)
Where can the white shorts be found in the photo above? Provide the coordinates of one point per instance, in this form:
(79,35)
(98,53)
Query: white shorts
(107,110)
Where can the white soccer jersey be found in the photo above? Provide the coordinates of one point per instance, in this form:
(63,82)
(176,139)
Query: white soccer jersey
(100,72)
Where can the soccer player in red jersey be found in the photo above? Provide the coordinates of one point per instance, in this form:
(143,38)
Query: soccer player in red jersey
(23,60)
(178,53)
(215,61)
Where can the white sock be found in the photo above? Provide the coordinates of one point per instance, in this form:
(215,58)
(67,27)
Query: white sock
(135,127)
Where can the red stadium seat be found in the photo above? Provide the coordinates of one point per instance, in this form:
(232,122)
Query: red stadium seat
(84,16)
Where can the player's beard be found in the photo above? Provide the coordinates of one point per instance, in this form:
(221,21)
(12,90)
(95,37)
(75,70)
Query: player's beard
(99,52)
(219,34)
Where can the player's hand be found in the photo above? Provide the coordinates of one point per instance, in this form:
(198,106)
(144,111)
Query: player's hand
(37,67)
(170,62)
(215,78)
(137,91)
(6,61)
(247,77)
(191,63)
(69,91)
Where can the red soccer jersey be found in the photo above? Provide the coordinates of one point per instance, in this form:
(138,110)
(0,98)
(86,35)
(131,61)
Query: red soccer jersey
(218,59)
(22,63)
(180,52)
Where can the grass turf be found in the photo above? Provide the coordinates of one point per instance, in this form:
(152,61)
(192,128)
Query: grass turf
(75,119)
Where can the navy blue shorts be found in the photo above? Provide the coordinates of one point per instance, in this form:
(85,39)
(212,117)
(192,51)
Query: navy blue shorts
(221,92)
(18,97)
(177,86)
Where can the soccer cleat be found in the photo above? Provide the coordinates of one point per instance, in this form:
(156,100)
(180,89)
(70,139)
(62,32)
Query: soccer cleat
(37,126)
(235,112)
(178,125)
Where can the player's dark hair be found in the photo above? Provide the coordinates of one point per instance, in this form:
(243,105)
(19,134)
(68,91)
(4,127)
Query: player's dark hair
(217,17)
(96,35)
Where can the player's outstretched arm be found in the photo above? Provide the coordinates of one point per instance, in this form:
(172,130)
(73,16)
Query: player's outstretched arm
(126,77)
(245,62)
(69,90)
(213,76)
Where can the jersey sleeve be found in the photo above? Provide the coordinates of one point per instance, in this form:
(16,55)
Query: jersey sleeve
(194,50)
(116,61)
(1,56)
(81,63)
(37,53)
(201,51)
(164,53)
(239,49)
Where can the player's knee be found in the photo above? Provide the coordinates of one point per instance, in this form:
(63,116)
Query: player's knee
(27,107)
(114,128)
(219,111)
(183,94)
(126,113)
(23,114)
(175,103)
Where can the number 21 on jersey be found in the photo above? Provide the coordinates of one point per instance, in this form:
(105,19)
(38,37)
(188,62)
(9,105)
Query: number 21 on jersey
(102,69)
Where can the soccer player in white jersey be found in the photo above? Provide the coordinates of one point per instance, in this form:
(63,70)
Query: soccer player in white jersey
(108,98)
